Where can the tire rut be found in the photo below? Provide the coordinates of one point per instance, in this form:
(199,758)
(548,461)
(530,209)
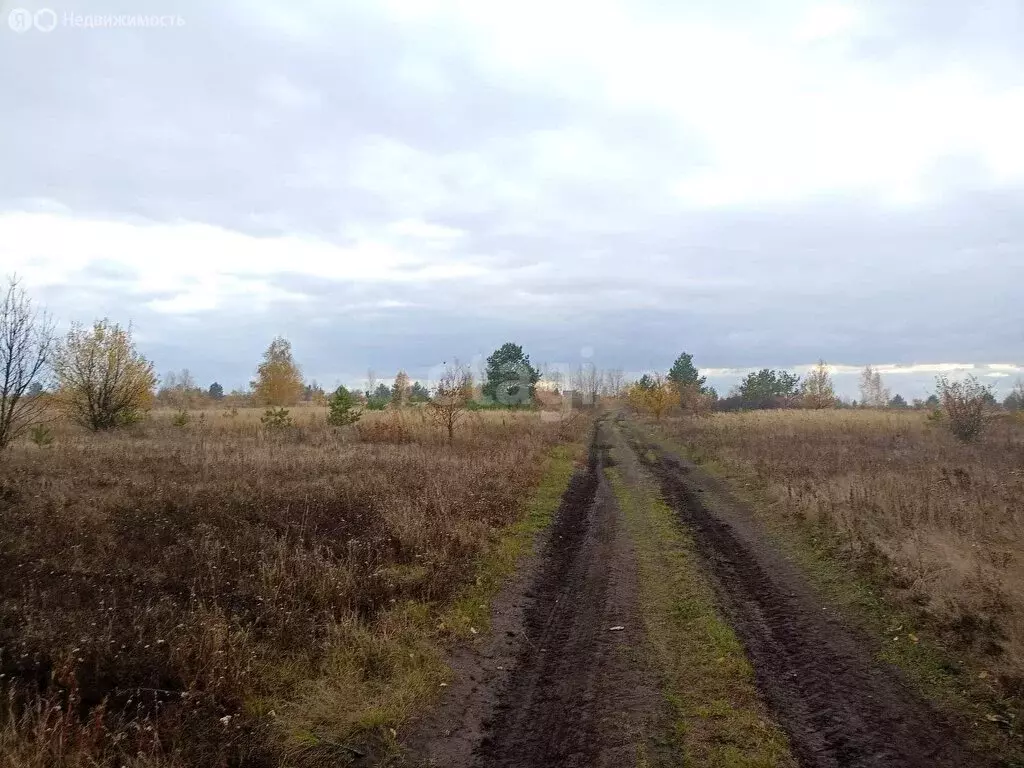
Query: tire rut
(839,706)
(577,696)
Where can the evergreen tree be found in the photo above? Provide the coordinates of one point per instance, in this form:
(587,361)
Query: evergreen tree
(509,378)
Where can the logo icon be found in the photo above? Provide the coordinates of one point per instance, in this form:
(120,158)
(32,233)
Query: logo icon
(20,20)
(45,20)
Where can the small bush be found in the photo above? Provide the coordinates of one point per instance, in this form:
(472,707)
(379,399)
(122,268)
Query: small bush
(41,435)
(343,411)
(276,418)
(181,418)
(964,406)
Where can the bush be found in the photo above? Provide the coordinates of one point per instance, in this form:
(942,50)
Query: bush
(276,418)
(965,406)
(343,411)
(41,435)
(181,418)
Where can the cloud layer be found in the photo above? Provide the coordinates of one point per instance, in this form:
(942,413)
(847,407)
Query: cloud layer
(393,184)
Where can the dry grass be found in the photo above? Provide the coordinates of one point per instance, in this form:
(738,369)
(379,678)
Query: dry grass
(223,594)
(944,519)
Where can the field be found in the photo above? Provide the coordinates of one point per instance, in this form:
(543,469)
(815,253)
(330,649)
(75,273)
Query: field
(757,589)
(937,523)
(222,594)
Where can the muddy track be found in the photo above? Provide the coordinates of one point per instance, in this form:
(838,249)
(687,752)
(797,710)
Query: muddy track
(578,696)
(839,706)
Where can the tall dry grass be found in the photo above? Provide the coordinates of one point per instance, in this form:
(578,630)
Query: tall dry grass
(224,594)
(946,517)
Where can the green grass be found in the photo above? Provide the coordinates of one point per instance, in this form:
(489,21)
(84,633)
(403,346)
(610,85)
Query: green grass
(857,589)
(718,719)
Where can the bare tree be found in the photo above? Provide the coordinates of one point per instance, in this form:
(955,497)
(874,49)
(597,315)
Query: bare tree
(178,389)
(614,382)
(452,396)
(872,393)
(26,345)
(587,381)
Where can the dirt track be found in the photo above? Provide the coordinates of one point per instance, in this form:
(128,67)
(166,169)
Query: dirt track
(579,694)
(838,705)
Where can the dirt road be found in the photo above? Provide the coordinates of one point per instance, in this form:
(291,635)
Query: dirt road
(580,693)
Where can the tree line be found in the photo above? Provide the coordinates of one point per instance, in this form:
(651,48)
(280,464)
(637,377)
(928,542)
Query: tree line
(96,377)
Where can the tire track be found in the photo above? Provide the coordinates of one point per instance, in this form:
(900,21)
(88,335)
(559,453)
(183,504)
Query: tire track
(839,706)
(576,698)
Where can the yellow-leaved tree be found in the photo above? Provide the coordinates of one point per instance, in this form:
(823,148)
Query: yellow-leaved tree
(102,380)
(817,391)
(278,379)
(654,394)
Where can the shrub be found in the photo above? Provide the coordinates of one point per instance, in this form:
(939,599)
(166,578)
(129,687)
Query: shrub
(964,406)
(343,411)
(181,418)
(41,435)
(276,418)
(103,381)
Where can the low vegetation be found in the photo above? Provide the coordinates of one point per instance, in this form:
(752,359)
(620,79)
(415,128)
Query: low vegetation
(228,592)
(719,720)
(934,522)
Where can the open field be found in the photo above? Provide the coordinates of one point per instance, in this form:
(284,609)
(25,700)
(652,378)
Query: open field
(934,524)
(223,594)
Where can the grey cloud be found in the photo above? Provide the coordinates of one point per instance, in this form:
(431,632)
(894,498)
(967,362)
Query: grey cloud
(197,124)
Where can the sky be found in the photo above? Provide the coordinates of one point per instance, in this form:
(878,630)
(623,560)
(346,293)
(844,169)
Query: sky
(405,182)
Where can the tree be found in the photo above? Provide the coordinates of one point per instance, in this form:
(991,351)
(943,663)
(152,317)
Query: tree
(418,393)
(278,379)
(400,390)
(178,389)
(378,399)
(26,346)
(872,393)
(102,380)
(768,389)
(587,381)
(343,411)
(509,377)
(216,391)
(932,401)
(1015,400)
(965,405)
(897,402)
(654,394)
(818,391)
(452,396)
(313,393)
(614,382)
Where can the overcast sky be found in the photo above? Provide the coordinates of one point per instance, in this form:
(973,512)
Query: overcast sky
(397,183)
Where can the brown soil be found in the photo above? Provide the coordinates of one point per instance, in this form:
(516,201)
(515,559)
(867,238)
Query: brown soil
(838,704)
(553,686)
(580,693)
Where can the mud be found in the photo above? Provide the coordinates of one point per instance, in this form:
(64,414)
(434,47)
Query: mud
(838,704)
(580,694)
